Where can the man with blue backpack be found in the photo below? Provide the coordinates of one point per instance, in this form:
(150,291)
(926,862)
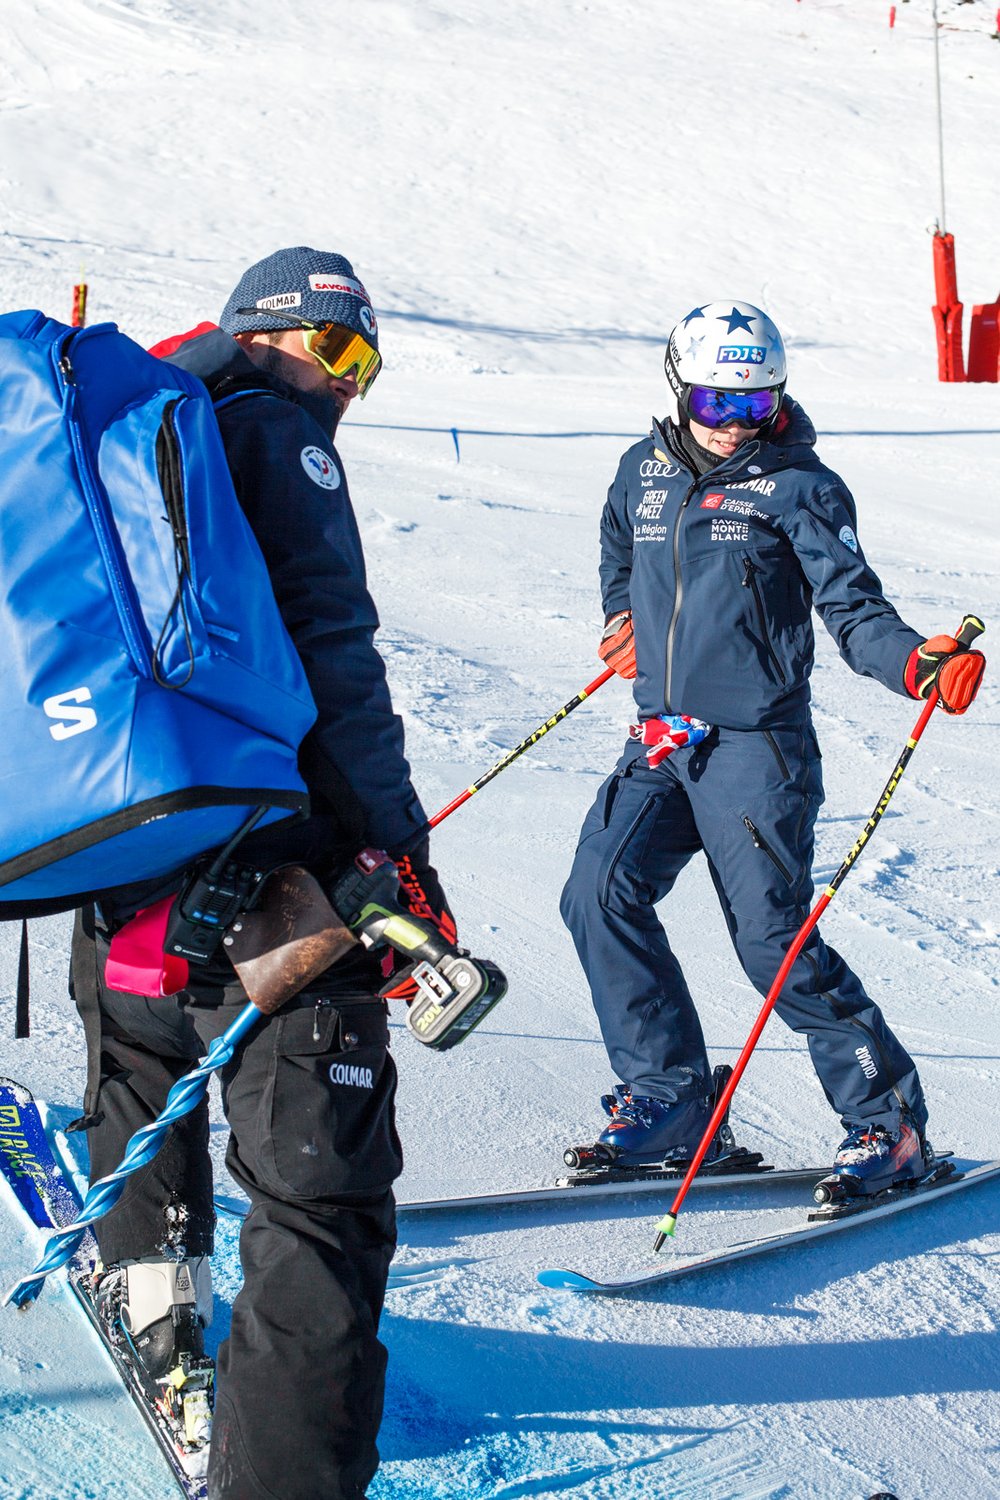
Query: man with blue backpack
(309,1096)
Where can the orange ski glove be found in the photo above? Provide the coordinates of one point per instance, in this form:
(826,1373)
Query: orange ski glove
(945,664)
(617,648)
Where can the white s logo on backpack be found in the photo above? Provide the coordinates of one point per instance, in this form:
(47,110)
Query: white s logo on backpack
(62,706)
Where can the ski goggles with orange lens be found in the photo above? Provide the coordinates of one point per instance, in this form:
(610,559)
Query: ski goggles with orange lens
(712,408)
(339,350)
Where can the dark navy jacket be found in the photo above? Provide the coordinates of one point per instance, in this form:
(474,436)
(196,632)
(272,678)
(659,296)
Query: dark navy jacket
(721,573)
(291,485)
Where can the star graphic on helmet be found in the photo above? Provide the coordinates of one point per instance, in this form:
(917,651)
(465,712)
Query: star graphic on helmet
(693,347)
(698,312)
(735,320)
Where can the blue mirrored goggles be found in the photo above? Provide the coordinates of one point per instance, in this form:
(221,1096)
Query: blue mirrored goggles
(711,408)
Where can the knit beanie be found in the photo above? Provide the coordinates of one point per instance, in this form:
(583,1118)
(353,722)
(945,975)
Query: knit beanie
(315,286)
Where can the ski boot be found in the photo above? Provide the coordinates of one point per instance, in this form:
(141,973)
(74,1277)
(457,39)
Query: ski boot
(155,1310)
(652,1133)
(872,1160)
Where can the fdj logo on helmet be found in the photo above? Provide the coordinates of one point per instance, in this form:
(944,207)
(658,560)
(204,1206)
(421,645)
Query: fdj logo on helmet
(741,354)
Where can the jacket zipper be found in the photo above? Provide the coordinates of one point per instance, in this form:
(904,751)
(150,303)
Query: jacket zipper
(123,594)
(678,594)
(750,571)
(760,842)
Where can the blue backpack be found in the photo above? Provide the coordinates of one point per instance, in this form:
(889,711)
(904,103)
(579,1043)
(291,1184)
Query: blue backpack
(150,696)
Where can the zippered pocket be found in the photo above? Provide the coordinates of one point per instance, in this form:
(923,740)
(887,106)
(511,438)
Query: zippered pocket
(170,472)
(760,842)
(750,571)
(776,752)
(143,471)
(123,594)
(623,843)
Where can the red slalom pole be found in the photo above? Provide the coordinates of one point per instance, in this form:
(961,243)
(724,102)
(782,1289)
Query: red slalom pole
(971,628)
(79,315)
(525,744)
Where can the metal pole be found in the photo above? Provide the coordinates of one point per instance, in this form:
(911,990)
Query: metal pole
(526,744)
(940,124)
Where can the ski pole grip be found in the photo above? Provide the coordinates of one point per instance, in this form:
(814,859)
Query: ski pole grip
(971,629)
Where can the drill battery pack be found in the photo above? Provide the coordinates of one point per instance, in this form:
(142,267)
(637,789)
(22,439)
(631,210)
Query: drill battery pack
(453,996)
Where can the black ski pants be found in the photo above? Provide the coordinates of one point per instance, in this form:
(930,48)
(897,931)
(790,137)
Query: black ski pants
(309,1100)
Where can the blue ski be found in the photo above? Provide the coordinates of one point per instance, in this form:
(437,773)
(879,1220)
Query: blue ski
(820,1225)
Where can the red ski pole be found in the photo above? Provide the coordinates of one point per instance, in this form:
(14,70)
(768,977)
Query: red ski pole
(525,744)
(971,628)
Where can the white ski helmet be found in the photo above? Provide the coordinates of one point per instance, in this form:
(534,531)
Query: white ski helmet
(726,349)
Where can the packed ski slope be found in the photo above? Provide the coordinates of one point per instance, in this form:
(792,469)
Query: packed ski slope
(533,194)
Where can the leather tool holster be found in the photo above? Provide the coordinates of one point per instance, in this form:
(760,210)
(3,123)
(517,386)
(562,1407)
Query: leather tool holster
(287,939)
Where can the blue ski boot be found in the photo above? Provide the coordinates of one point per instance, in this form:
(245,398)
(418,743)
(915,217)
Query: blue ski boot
(872,1159)
(646,1131)
(613,1102)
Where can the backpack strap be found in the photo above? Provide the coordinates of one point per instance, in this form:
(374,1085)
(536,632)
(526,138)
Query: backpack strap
(22,1021)
(85,991)
(249,390)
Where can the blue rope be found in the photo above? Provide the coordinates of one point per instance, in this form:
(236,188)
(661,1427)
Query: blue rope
(185,1095)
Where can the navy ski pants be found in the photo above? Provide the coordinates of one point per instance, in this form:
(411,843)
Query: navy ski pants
(749,801)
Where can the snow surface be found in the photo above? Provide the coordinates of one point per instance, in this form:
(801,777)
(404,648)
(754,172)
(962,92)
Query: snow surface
(533,194)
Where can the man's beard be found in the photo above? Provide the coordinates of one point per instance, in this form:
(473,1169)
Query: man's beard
(315,402)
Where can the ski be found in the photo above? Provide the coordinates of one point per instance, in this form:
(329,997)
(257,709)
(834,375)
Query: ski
(597,1187)
(44,1190)
(816,1227)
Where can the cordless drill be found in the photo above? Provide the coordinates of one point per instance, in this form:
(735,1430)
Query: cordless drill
(454,991)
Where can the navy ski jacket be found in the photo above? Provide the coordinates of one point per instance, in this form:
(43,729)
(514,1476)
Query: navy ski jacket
(721,572)
(291,485)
